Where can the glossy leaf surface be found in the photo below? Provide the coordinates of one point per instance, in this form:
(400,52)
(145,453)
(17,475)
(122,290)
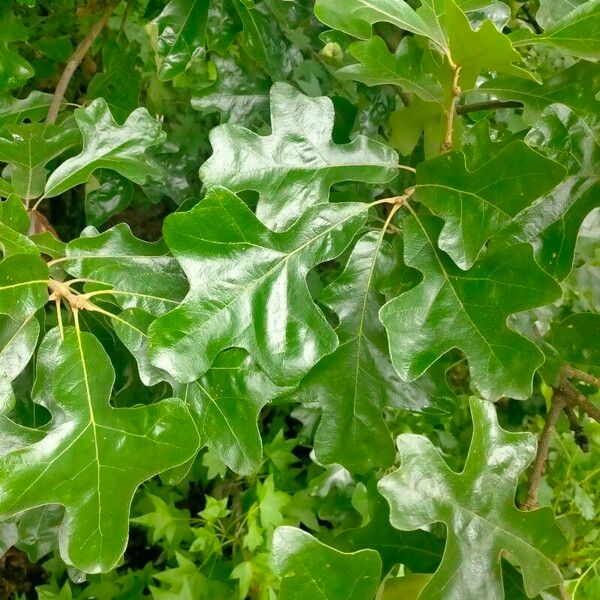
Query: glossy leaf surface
(18,340)
(477,507)
(293,168)
(137,273)
(420,550)
(23,285)
(238,95)
(468,310)
(93,457)
(478,204)
(181,31)
(353,384)
(225,404)
(223,296)
(443,22)
(309,568)
(237,268)
(553,222)
(121,148)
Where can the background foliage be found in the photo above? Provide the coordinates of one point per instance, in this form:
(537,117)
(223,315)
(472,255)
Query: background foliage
(288,290)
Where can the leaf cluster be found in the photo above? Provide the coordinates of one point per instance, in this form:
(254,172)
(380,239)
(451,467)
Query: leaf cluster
(286,290)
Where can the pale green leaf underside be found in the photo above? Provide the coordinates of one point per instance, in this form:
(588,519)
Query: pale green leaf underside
(477,506)
(293,168)
(121,148)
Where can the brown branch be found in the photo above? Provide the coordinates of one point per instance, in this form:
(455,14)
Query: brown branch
(576,398)
(589,408)
(581,375)
(463,109)
(74,62)
(557,405)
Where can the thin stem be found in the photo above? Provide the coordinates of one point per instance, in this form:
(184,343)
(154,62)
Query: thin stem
(557,406)
(450,115)
(81,280)
(58,260)
(39,201)
(59,318)
(74,61)
(581,375)
(390,227)
(463,109)
(584,574)
(76,319)
(113,292)
(394,199)
(592,474)
(393,211)
(95,308)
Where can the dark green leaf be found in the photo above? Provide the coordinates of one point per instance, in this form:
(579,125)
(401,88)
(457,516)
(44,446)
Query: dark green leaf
(238,95)
(477,204)
(310,569)
(452,308)
(93,457)
(263,42)
(119,60)
(553,222)
(225,404)
(137,273)
(419,550)
(106,194)
(181,33)
(14,69)
(248,287)
(357,381)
